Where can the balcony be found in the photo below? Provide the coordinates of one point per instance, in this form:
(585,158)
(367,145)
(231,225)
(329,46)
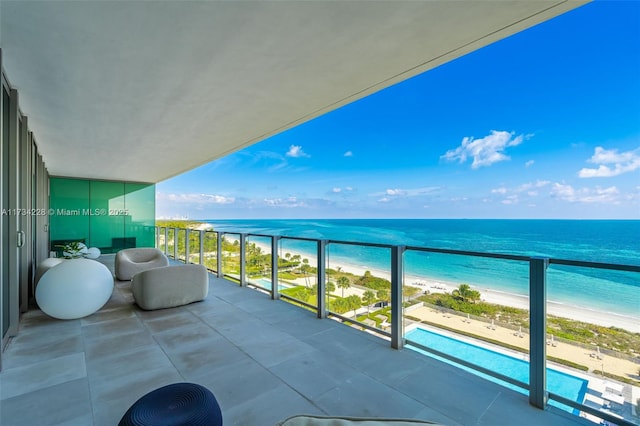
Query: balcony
(264,360)
(533,348)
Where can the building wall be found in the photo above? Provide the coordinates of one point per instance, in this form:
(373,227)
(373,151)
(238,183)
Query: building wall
(110,215)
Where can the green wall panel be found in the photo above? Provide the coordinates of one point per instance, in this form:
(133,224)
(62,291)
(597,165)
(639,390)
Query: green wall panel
(104,214)
(69,206)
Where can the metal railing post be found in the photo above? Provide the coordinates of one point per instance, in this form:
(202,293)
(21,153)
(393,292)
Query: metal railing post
(166,240)
(243,260)
(201,247)
(186,246)
(322,278)
(538,328)
(219,258)
(275,290)
(397,340)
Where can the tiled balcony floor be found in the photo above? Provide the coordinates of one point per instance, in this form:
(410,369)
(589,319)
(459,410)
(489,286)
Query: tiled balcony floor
(264,360)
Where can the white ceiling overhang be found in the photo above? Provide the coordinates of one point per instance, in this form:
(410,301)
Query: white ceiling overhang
(146,90)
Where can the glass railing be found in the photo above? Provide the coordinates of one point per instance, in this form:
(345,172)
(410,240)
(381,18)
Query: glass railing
(495,315)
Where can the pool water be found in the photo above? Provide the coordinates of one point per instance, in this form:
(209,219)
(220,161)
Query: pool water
(558,382)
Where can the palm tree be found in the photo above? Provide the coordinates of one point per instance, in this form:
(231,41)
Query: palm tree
(464,293)
(330,287)
(343,282)
(304,268)
(354,303)
(369,297)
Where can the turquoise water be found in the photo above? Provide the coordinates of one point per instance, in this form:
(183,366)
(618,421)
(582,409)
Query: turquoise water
(607,241)
(558,382)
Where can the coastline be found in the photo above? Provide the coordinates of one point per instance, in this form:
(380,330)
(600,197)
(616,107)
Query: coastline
(559,309)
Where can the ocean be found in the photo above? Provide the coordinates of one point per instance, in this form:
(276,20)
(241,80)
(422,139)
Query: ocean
(605,241)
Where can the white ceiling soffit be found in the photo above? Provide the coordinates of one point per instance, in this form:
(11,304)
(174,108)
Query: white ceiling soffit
(146,90)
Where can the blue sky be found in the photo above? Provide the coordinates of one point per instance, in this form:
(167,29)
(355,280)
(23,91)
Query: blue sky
(544,124)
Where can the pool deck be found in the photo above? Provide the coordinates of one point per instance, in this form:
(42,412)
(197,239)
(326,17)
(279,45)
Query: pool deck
(264,360)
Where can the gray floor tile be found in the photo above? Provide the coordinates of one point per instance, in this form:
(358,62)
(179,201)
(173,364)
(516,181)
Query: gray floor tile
(107,329)
(239,382)
(269,408)
(125,365)
(28,351)
(109,407)
(178,319)
(313,373)
(66,403)
(362,396)
(21,380)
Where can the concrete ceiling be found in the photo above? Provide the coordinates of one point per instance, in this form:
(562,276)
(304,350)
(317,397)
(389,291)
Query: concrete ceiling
(146,90)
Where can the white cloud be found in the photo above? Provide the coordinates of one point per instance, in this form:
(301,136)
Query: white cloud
(197,198)
(338,190)
(485,151)
(288,202)
(585,195)
(527,186)
(394,192)
(348,154)
(622,162)
(384,200)
(529,163)
(511,199)
(412,192)
(296,151)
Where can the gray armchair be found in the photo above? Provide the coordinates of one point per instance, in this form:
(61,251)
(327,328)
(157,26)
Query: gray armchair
(129,262)
(170,286)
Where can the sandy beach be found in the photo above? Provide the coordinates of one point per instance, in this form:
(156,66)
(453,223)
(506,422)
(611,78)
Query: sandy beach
(577,313)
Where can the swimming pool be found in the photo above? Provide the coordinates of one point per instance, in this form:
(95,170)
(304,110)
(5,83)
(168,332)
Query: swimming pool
(265,283)
(558,382)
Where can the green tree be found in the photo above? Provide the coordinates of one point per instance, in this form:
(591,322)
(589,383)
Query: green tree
(344,283)
(354,303)
(369,298)
(383,295)
(330,287)
(466,294)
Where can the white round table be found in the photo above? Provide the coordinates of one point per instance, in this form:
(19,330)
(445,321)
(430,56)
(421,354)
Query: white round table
(74,289)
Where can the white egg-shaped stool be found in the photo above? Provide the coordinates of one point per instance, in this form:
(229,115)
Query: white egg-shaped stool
(93,253)
(74,289)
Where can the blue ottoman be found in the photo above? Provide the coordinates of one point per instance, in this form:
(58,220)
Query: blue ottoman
(179,404)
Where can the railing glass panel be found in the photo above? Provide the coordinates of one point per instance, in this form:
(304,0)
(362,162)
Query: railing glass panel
(470,310)
(210,250)
(258,262)
(160,240)
(181,237)
(171,239)
(297,272)
(231,255)
(593,339)
(359,284)
(194,247)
